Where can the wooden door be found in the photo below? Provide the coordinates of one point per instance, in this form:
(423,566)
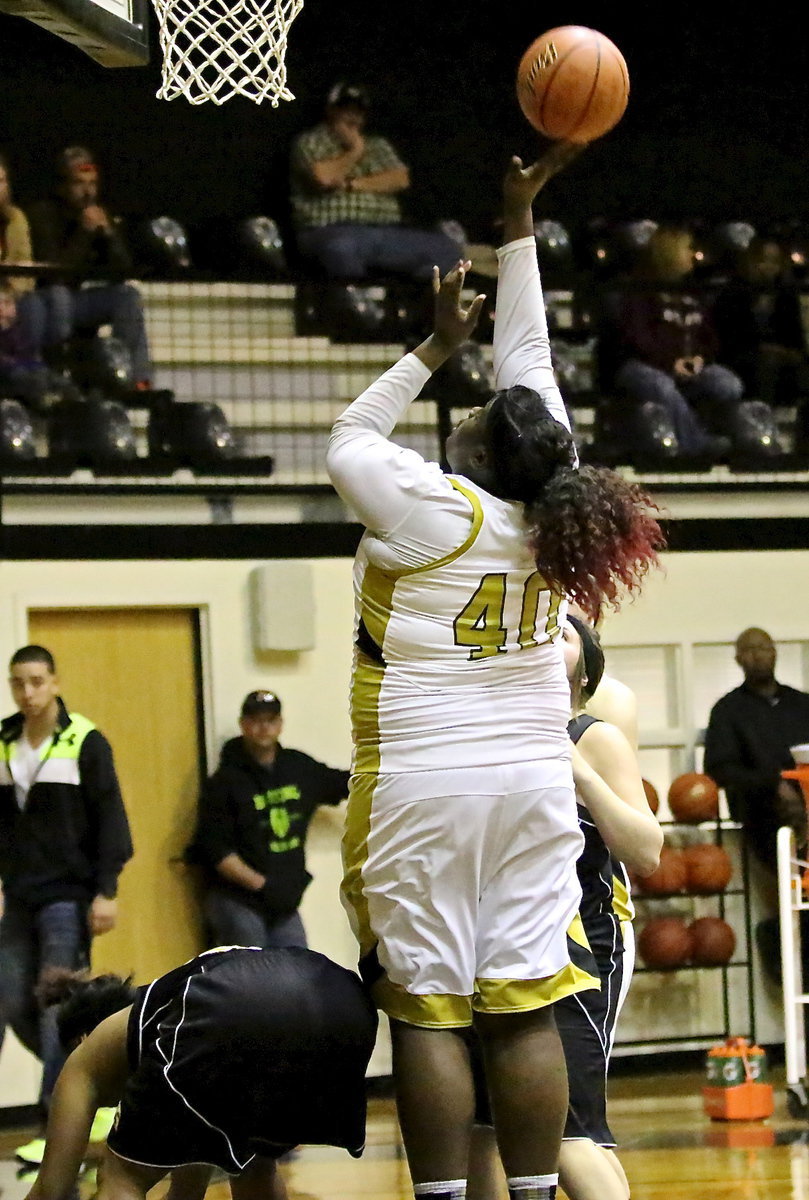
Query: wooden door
(134,672)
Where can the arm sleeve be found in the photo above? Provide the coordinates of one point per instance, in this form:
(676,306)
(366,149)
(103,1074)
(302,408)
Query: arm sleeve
(379,480)
(522,348)
(332,786)
(18,249)
(215,836)
(381,156)
(103,796)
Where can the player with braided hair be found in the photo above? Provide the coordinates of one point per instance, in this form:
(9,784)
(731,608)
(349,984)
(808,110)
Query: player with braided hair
(461,837)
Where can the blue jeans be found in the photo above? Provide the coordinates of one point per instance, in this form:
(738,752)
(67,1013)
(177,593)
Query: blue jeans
(30,940)
(235,924)
(705,402)
(64,311)
(358,251)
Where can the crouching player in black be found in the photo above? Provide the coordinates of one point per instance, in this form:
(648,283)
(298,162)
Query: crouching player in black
(228,1061)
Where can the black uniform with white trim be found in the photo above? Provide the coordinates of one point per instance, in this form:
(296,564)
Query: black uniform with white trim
(586,1021)
(244,1051)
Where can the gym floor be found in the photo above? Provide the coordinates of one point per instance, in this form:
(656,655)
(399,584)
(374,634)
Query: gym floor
(669,1148)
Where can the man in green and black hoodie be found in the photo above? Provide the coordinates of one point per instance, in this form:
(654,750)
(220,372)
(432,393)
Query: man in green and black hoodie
(64,839)
(254,813)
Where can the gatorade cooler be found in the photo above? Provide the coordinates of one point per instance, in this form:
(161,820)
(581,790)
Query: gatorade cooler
(736,1088)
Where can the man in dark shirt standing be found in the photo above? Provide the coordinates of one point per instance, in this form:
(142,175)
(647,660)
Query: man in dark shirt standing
(747,745)
(254,814)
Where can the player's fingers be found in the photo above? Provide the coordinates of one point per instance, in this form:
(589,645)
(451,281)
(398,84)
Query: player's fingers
(473,312)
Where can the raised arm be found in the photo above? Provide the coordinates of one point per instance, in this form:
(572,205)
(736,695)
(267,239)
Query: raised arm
(378,479)
(522,350)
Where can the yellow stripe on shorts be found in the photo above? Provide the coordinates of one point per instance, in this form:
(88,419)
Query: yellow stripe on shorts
(430,1011)
(523,995)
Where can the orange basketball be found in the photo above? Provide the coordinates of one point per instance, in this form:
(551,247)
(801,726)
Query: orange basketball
(572,84)
(712,942)
(694,797)
(651,795)
(670,876)
(665,942)
(708,868)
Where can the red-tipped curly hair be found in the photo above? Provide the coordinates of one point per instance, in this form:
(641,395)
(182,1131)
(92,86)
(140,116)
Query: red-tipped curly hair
(594,536)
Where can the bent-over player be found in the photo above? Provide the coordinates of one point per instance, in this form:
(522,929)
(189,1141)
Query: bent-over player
(228,1061)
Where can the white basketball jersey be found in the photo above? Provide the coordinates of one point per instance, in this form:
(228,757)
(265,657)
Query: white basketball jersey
(455,663)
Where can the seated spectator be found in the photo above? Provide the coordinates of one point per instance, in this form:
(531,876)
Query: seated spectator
(15,235)
(666,348)
(72,229)
(758,322)
(22,375)
(345,186)
(15,247)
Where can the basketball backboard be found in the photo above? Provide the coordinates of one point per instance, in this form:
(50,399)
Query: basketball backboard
(113,32)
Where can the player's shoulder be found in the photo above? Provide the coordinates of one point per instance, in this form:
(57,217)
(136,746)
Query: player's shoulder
(604,736)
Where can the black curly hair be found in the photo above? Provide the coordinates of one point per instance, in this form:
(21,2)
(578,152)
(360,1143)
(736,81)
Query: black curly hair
(84,1003)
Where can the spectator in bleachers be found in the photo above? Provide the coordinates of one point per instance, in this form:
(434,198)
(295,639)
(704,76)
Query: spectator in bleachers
(22,375)
(15,247)
(15,234)
(759,325)
(74,230)
(345,189)
(666,347)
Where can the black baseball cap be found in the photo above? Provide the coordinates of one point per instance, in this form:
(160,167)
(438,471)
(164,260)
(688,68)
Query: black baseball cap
(343,95)
(261,702)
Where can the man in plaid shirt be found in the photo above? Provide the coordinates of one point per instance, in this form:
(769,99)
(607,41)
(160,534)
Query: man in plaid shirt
(345,188)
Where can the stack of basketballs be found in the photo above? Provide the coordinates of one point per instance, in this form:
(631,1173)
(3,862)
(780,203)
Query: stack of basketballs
(695,869)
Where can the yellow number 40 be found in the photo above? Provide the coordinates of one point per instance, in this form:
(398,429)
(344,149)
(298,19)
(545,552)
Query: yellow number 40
(479,624)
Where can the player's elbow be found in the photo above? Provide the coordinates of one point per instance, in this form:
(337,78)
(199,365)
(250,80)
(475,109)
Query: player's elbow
(647,856)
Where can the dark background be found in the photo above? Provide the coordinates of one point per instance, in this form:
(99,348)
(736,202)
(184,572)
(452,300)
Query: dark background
(716,126)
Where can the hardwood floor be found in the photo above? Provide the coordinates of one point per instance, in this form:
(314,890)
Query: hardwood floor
(669,1149)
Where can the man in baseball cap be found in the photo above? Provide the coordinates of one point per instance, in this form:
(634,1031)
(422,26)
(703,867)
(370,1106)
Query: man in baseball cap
(254,813)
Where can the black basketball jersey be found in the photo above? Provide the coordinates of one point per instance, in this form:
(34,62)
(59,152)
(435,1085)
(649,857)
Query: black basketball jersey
(243,1051)
(594,867)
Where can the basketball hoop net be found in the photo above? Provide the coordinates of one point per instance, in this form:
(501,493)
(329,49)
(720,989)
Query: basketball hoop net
(217,49)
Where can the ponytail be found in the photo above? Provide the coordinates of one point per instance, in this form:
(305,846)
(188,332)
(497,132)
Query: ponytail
(594,536)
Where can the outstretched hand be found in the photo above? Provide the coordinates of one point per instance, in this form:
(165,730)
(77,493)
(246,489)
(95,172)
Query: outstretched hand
(523,184)
(454,324)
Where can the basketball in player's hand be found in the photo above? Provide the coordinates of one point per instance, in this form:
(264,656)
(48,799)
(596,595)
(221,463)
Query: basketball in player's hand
(651,795)
(572,84)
